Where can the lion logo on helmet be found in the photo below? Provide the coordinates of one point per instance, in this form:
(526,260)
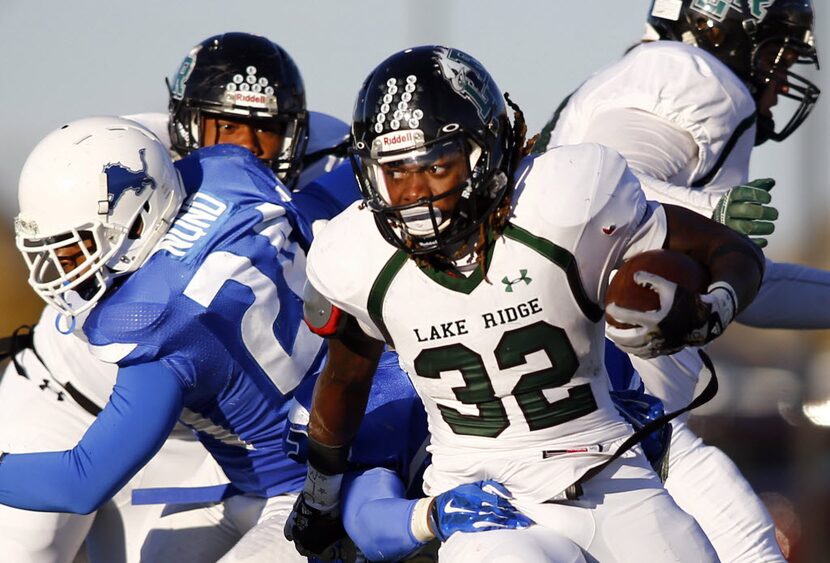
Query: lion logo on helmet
(121,178)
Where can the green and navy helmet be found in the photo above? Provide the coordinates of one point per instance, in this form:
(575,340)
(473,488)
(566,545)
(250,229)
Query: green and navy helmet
(242,76)
(416,105)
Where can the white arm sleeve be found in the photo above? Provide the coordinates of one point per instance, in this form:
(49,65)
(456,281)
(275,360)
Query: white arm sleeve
(657,151)
(791,296)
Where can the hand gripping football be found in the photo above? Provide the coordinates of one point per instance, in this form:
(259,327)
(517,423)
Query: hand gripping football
(673,266)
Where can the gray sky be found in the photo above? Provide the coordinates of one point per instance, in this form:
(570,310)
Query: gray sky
(65,60)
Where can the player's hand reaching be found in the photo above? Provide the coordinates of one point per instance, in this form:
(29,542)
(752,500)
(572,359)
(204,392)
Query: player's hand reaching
(316,532)
(683,318)
(744,209)
(315,525)
(475,507)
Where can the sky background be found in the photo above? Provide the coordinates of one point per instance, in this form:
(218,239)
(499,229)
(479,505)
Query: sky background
(65,60)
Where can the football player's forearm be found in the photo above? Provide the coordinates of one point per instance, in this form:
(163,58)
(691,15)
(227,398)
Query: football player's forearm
(341,394)
(378,516)
(132,426)
(701,202)
(730,258)
(656,150)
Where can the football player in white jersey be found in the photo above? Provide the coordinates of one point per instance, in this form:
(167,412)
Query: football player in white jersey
(487,274)
(685,108)
(63,387)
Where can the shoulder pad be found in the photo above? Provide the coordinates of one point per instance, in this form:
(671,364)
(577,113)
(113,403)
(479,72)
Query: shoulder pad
(322,316)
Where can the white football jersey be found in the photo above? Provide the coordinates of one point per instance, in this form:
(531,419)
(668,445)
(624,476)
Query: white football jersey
(68,359)
(509,363)
(684,85)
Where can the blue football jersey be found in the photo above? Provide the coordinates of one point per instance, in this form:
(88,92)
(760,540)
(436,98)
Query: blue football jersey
(393,434)
(219,304)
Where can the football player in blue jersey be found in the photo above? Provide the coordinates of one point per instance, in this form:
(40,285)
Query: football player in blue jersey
(245,90)
(54,388)
(188,278)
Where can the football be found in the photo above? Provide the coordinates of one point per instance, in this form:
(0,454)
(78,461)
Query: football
(674,266)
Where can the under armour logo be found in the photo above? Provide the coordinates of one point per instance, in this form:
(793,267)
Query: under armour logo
(509,283)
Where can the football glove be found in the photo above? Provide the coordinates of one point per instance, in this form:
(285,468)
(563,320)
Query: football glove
(743,209)
(315,532)
(314,524)
(683,318)
(475,507)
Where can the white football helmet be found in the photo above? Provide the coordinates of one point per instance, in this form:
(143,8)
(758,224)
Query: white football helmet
(101,190)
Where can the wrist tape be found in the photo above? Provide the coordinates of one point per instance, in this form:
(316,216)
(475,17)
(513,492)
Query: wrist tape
(322,491)
(419,520)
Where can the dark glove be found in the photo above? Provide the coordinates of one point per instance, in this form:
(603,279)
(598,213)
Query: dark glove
(315,532)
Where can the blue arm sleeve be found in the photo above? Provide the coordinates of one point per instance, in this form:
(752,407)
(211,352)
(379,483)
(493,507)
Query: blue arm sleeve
(376,514)
(141,412)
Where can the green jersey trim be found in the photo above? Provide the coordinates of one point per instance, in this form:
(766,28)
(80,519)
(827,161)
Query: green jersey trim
(727,150)
(564,260)
(458,282)
(377,294)
(541,144)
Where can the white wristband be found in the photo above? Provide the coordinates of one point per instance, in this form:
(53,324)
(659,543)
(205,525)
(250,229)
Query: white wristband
(724,301)
(419,520)
(322,491)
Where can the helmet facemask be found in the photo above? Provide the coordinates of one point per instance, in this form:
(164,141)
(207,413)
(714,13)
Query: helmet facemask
(772,61)
(96,196)
(188,121)
(420,226)
(76,290)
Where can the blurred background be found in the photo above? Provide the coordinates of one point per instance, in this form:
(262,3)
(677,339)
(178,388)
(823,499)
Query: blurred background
(62,61)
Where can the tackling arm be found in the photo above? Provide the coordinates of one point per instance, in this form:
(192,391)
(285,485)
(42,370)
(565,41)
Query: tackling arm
(141,412)
(792,296)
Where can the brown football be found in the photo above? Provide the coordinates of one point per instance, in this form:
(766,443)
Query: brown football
(674,266)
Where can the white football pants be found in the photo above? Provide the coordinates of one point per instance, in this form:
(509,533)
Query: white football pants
(624,515)
(702,479)
(240,529)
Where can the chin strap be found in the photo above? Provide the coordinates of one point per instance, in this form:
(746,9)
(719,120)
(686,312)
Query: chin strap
(71,323)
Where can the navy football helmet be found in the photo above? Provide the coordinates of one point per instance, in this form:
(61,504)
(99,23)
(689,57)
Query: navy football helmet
(757,39)
(416,106)
(240,75)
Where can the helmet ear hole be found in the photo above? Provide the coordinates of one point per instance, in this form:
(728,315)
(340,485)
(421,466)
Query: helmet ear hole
(137,228)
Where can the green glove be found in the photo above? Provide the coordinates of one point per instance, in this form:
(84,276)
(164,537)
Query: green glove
(743,209)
